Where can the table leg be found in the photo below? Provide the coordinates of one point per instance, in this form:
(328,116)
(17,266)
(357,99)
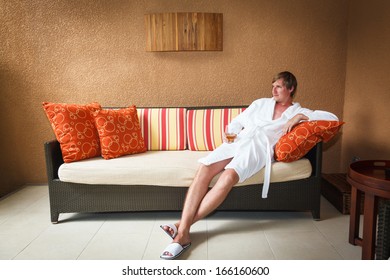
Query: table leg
(382,251)
(369,227)
(354,220)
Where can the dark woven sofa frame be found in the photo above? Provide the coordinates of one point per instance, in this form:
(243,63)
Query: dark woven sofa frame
(298,195)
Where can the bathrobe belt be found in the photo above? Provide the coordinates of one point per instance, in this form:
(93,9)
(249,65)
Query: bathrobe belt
(259,132)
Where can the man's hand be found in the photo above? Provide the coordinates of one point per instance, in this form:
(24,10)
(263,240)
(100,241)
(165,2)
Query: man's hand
(293,122)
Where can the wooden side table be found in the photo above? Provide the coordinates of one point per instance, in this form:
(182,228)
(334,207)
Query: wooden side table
(368,177)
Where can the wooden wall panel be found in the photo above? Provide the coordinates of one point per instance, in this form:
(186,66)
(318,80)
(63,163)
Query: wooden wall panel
(184,32)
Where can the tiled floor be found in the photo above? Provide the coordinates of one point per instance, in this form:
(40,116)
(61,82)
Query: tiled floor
(26,233)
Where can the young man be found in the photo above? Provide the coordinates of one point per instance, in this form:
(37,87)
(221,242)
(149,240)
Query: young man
(257,131)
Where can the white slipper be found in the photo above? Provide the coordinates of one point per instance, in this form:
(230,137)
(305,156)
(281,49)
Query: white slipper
(173,251)
(173,227)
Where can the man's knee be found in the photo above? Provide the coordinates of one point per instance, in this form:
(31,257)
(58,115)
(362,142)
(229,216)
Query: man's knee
(205,172)
(232,175)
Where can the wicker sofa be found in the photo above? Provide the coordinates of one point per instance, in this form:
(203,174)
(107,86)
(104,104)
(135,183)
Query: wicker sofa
(69,197)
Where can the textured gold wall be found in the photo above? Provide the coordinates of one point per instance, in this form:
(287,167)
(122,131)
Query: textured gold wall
(83,51)
(367,97)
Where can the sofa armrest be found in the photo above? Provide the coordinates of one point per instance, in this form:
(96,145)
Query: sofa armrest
(315,158)
(53,156)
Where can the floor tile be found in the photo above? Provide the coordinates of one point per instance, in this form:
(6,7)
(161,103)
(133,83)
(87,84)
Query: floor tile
(307,245)
(116,246)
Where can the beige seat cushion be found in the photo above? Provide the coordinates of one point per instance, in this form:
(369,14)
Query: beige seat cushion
(164,168)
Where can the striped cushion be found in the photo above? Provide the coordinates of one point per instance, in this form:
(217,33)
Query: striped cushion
(163,128)
(205,127)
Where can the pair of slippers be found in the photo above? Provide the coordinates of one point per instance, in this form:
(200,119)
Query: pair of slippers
(173,250)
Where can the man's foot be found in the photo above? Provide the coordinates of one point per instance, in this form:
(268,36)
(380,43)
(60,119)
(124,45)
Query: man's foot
(170,229)
(174,250)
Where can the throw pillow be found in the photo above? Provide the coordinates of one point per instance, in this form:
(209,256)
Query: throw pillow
(205,127)
(304,136)
(119,132)
(74,128)
(163,128)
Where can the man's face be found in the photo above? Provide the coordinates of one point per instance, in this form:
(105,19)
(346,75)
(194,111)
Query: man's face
(280,92)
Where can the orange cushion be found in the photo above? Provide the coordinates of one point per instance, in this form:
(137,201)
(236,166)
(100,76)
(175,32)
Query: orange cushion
(163,128)
(205,127)
(304,136)
(74,128)
(119,132)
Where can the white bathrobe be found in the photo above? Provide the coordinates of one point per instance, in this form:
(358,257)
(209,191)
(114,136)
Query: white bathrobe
(257,134)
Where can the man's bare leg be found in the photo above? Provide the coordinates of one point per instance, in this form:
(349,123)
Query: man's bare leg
(201,201)
(217,194)
(198,189)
